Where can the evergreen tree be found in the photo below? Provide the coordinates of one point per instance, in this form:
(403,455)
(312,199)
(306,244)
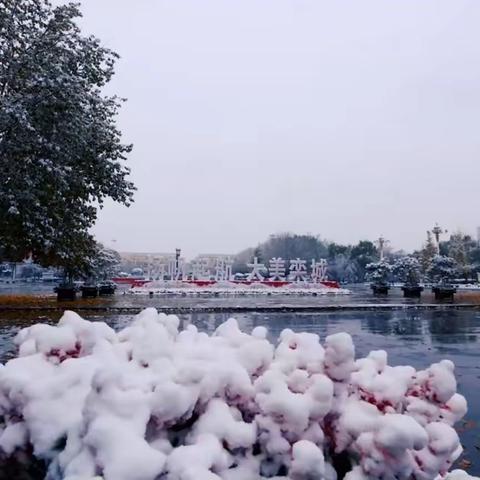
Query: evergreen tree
(407,270)
(459,247)
(456,248)
(363,254)
(442,269)
(105,263)
(257,253)
(427,253)
(61,153)
(379,272)
(290,246)
(474,256)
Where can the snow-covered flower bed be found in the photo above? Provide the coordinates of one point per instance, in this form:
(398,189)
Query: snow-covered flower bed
(152,402)
(233,289)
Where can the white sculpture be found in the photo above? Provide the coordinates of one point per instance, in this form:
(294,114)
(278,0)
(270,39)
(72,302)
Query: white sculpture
(228,263)
(193,271)
(223,269)
(172,268)
(256,269)
(199,269)
(177,269)
(277,268)
(159,271)
(382,242)
(221,272)
(298,270)
(319,270)
(182,270)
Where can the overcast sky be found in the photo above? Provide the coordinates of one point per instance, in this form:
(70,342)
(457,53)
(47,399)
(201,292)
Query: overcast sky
(347,119)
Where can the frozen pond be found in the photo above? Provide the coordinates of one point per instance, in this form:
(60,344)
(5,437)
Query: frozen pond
(415,338)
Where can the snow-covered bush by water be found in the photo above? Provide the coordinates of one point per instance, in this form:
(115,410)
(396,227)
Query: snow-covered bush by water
(152,402)
(407,270)
(378,272)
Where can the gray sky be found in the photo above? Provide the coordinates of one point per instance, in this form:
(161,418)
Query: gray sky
(347,119)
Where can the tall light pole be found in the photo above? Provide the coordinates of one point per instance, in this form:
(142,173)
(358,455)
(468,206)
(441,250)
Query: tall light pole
(381,242)
(437,231)
(177,260)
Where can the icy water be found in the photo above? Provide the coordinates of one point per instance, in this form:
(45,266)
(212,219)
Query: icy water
(415,338)
(360,294)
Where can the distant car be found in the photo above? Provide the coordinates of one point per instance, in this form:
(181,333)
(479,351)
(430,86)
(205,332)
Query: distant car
(240,276)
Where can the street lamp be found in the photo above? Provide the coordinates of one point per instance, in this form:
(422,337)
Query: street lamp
(437,231)
(381,242)
(177,258)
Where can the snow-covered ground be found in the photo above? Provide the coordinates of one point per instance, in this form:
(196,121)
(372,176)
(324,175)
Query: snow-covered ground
(230,288)
(154,402)
(468,286)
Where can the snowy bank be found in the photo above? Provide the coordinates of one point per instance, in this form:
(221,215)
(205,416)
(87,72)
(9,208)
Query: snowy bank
(226,288)
(152,402)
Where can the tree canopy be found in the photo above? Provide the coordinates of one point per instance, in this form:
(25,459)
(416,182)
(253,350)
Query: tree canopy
(378,272)
(442,269)
(407,270)
(61,153)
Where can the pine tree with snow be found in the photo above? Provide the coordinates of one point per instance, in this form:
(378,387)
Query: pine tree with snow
(61,153)
(442,269)
(407,270)
(459,247)
(379,272)
(106,262)
(427,253)
(456,248)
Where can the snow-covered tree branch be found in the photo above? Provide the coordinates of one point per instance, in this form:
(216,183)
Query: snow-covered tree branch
(61,153)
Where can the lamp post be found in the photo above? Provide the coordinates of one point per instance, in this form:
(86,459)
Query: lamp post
(437,231)
(381,242)
(177,259)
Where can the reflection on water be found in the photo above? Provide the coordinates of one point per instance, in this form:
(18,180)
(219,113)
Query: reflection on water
(417,338)
(453,326)
(360,294)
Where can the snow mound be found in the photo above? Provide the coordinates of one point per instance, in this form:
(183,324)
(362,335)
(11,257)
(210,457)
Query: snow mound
(153,401)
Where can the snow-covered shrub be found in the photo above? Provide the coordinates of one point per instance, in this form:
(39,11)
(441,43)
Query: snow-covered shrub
(407,270)
(378,272)
(153,401)
(442,269)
